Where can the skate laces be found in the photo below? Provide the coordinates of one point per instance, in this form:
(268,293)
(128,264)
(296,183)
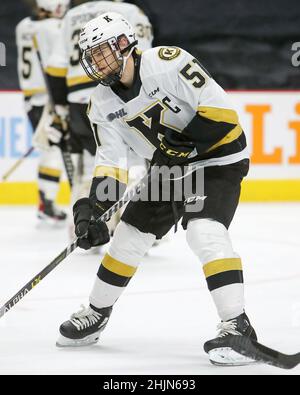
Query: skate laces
(85,318)
(228,328)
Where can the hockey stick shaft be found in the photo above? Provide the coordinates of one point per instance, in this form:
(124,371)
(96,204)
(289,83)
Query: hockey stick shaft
(260,353)
(17,164)
(67,251)
(66,156)
(37,279)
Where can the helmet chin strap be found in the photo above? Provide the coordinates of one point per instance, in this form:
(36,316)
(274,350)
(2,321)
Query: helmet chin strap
(130,48)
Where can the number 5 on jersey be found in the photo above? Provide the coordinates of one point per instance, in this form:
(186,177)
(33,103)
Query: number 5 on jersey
(191,72)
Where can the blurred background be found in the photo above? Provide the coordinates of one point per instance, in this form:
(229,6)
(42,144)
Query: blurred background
(252,49)
(245,45)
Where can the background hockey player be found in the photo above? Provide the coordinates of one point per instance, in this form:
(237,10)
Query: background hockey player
(44,26)
(173,112)
(71,86)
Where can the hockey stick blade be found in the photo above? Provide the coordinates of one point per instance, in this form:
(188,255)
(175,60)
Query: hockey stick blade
(260,353)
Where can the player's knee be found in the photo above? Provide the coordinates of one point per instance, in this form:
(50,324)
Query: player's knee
(129,245)
(209,240)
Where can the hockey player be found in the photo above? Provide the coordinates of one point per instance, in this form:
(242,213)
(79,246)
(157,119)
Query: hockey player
(172,112)
(43,27)
(70,85)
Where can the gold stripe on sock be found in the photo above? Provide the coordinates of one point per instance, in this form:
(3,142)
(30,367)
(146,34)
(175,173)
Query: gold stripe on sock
(118,267)
(49,172)
(57,71)
(222,265)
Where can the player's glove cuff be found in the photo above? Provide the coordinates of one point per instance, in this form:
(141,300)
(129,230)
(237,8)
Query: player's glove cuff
(173,150)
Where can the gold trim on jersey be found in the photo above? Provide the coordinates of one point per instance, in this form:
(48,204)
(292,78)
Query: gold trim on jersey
(78,80)
(56,71)
(35,43)
(117,267)
(222,265)
(219,114)
(222,115)
(31,92)
(229,138)
(47,171)
(113,172)
(89,107)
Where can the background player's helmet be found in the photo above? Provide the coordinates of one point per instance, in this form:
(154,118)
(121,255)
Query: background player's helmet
(57,8)
(106,43)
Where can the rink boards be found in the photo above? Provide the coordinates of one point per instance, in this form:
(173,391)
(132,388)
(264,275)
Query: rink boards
(271,120)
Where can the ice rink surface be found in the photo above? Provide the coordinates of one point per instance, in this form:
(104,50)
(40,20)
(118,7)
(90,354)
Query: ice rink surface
(160,323)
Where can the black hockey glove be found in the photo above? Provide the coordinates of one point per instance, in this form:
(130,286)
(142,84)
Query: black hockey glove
(89,232)
(173,150)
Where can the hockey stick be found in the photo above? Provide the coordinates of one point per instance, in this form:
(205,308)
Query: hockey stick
(133,191)
(17,164)
(260,353)
(66,156)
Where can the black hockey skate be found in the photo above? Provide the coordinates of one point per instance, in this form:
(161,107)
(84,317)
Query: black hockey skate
(219,350)
(49,213)
(84,327)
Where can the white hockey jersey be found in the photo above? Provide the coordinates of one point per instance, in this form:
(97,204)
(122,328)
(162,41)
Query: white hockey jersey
(31,78)
(170,89)
(64,61)
(29,70)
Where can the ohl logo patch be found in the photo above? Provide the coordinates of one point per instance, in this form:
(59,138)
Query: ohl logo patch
(169,53)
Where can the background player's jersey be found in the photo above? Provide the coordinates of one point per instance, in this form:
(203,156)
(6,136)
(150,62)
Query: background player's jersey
(171,90)
(65,57)
(46,32)
(29,70)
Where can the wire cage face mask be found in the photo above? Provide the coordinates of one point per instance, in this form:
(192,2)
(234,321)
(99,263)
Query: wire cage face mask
(104,62)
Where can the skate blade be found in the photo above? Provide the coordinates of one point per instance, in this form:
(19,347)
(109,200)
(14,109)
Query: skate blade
(228,357)
(49,223)
(63,342)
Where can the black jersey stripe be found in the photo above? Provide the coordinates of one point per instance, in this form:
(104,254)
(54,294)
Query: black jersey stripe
(234,147)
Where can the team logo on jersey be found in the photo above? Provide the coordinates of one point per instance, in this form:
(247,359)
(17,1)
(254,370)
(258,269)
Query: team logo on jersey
(116,115)
(169,53)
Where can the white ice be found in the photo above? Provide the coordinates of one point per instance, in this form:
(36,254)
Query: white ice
(160,323)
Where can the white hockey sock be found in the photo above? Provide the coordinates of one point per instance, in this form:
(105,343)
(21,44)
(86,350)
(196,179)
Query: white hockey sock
(48,182)
(49,172)
(210,242)
(128,247)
